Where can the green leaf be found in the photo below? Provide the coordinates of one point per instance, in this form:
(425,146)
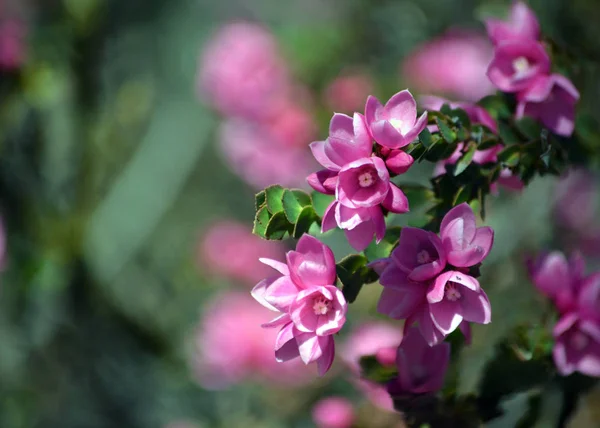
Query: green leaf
(507,134)
(488,143)
(475,205)
(305,219)
(260,222)
(496,106)
(465,160)
(417,151)
(259,200)
(445,131)
(374,371)
(459,116)
(529,127)
(425,138)
(293,202)
(418,195)
(320,202)
(510,155)
(278,226)
(353,274)
(378,251)
(274,195)
(464,194)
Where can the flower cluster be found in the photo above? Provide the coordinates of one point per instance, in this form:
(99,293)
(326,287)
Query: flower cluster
(428,280)
(312,309)
(577,299)
(244,77)
(522,66)
(358,172)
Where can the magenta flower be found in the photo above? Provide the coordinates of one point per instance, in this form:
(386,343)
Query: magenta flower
(476,114)
(577,333)
(398,161)
(360,181)
(13,44)
(333,412)
(517,64)
(421,368)
(558,279)
(311,308)
(551,100)
(241,72)
(420,254)
(394,125)
(522,24)
(453,64)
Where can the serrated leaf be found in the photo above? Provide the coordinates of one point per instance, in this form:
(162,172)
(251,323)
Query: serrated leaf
(320,202)
(465,160)
(278,226)
(293,202)
(260,222)
(425,138)
(510,155)
(378,251)
(259,200)
(445,131)
(305,219)
(274,195)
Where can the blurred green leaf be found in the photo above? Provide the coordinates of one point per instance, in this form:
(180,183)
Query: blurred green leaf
(374,371)
(529,127)
(445,131)
(510,155)
(507,134)
(425,138)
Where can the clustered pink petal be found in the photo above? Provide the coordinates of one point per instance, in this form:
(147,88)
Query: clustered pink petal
(421,368)
(359,177)
(311,308)
(521,65)
(333,412)
(426,278)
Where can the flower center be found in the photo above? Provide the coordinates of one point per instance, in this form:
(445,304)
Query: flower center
(579,341)
(423,257)
(521,66)
(397,123)
(365,179)
(321,305)
(451,291)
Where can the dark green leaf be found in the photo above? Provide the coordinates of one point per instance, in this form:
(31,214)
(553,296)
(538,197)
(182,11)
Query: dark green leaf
(259,199)
(507,134)
(260,222)
(445,131)
(425,138)
(459,116)
(462,134)
(274,194)
(378,251)
(372,370)
(353,274)
(529,127)
(417,151)
(465,160)
(510,155)
(278,226)
(418,195)
(305,219)
(496,106)
(464,194)
(488,143)
(293,202)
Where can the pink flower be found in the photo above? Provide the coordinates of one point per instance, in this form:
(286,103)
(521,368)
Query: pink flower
(360,181)
(333,412)
(550,99)
(375,338)
(311,307)
(13,33)
(522,24)
(577,333)
(417,288)
(252,153)
(395,124)
(346,93)
(421,368)
(560,280)
(517,64)
(476,114)
(397,161)
(454,64)
(576,201)
(241,72)
(230,345)
(291,127)
(230,249)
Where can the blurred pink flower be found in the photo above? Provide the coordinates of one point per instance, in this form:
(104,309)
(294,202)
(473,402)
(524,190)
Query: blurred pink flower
(252,153)
(347,93)
(521,24)
(13,44)
(371,339)
(231,346)
(241,72)
(229,249)
(291,127)
(333,412)
(454,64)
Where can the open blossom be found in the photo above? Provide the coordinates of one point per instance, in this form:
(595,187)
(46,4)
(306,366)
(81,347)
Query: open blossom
(551,100)
(311,307)
(516,64)
(421,368)
(395,124)
(333,412)
(522,24)
(230,346)
(229,249)
(359,180)
(374,338)
(453,64)
(426,278)
(241,72)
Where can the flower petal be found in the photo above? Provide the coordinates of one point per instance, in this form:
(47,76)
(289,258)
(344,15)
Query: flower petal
(395,200)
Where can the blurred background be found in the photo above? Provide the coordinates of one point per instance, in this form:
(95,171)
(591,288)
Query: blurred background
(133,136)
